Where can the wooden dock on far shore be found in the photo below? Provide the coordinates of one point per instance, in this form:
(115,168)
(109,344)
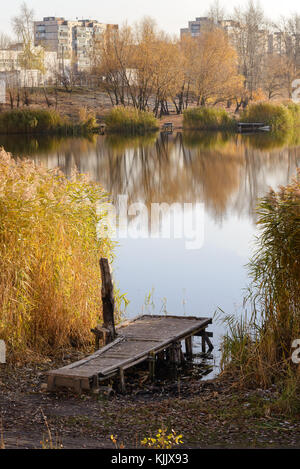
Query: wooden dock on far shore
(245,127)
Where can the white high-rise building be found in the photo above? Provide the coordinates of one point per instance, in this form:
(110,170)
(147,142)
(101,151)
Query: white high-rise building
(72,40)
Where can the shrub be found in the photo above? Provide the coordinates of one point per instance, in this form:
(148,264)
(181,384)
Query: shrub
(87,120)
(279,117)
(49,251)
(130,120)
(203,118)
(295,111)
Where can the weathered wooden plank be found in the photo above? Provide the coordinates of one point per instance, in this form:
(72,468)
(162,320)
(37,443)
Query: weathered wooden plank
(89,358)
(142,338)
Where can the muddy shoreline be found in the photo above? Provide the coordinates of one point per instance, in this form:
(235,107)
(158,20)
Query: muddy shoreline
(213,413)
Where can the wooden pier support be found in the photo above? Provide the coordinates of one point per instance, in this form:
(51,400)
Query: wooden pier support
(152,360)
(102,128)
(107,331)
(206,340)
(176,355)
(189,348)
(122,381)
(168,127)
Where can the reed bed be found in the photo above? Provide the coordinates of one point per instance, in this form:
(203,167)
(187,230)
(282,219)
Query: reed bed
(259,350)
(50,282)
(41,121)
(131,121)
(205,118)
(279,117)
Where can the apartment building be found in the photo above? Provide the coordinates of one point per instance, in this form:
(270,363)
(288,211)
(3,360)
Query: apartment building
(12,67)
(195,28)
(72,40)
(271,42)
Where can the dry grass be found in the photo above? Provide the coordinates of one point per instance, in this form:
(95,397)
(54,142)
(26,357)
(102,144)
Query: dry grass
(128,120)
(42,121)
(278,116)
(49,251)
(205,118)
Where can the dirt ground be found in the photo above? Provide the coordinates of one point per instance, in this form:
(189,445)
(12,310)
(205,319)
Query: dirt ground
(98,102)
(209,414)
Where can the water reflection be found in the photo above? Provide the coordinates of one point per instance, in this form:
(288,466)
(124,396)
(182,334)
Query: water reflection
(228,173)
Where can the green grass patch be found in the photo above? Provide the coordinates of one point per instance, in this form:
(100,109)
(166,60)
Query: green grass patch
(204,118)
(131,121)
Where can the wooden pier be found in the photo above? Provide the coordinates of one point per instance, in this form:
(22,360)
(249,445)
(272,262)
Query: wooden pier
(168,127)
(245,127)
(147,338)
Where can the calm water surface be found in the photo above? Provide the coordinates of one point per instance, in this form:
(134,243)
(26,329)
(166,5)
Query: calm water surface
(228,174)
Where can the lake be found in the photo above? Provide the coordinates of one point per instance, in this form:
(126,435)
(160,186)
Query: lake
(223,175)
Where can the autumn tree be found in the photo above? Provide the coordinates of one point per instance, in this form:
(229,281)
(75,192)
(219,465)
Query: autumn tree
(213,69)
(112,58)
(287,47)
(250,38)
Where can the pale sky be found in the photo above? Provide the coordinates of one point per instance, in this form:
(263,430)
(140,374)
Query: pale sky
(170,15)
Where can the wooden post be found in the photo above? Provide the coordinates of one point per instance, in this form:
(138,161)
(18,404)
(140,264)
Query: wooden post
(151,360)
(122,381)
(95,382)
(210,345)
(108,301)
(51,383)
(205,340)
(203,344)
(189,348)
(176,353)
(77,385)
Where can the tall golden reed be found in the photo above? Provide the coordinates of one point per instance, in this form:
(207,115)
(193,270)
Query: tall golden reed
(49,251)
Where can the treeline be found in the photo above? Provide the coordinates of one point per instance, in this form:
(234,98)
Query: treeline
(146,68)
(249,59)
